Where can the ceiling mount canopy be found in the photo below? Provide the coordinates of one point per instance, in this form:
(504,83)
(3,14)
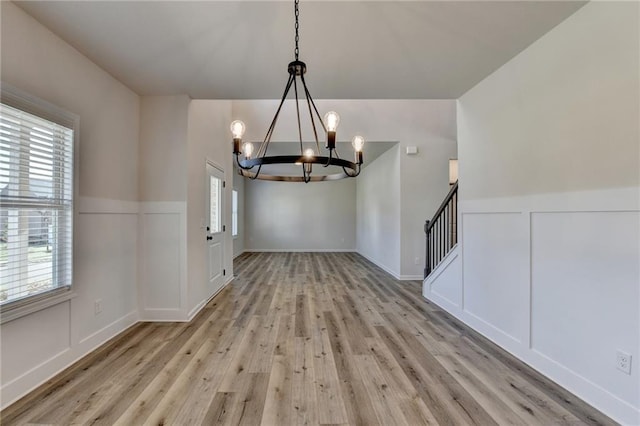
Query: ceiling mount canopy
(251,166)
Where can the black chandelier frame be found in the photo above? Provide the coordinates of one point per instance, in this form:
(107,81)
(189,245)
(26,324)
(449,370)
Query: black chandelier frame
(252,167)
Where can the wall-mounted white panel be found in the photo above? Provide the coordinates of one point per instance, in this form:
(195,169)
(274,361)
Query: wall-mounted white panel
(215,261)
(496,271)
(162,243)
(445,282)
(33,340)
(586,293)
(106,269)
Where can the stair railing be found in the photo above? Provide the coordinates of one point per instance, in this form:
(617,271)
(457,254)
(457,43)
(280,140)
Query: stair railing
(442,231)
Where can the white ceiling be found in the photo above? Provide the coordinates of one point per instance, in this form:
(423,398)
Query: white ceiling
(353,49)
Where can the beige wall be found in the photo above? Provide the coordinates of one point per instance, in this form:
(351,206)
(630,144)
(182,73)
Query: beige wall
(208,140)
(317,216)
(378,210)
(557,118)
(163,148)
(38,62)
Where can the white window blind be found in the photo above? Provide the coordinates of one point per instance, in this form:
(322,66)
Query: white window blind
(36,205)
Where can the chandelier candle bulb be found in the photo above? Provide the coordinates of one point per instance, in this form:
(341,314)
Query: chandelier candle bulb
(358,143)
(247,148)
(308,154)
(331,119)
(237,129)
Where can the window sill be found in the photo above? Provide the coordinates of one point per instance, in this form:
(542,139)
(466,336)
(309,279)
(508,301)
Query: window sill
(21,308)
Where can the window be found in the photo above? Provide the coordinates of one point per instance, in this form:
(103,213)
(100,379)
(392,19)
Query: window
(234,213)
(36,204)
(215,220)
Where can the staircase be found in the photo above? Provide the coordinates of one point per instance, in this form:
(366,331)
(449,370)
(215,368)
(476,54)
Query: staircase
(442,231)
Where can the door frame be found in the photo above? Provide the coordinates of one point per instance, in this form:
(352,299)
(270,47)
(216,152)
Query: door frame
(223,217)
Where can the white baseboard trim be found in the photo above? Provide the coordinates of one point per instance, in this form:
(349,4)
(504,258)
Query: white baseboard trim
(239,254)
(30,380)
(590,392)
(410,278)
(300,250)
(163,315)
(440,301)
(193,312)
(96,339)
(585,389)
(381,266)
(202,304)
(390,271)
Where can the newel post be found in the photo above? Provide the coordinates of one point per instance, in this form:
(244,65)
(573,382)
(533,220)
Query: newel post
(427,264)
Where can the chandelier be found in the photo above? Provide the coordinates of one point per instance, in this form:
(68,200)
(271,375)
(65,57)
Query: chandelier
(251,166)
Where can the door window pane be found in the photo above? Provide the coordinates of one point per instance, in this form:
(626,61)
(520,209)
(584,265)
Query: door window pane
(215,222)
(234,213)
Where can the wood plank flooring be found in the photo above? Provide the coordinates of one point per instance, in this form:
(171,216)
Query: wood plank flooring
(309,339)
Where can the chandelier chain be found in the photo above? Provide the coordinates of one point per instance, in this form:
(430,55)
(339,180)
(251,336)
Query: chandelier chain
(297,13)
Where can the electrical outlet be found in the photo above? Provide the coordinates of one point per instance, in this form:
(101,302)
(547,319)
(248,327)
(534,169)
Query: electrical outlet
(417,260)
(623,362)
(97,306)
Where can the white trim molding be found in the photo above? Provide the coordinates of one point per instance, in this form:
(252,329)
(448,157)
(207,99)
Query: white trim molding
(544,262)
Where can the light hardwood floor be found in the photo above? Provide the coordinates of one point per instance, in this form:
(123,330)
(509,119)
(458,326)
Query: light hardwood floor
(302,338)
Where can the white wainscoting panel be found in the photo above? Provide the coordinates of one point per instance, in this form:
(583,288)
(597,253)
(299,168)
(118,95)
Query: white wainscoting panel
(162,250)
(585,294)
(565,270)
(105,268)
(444,284)
(37,346)
(162,266)
(30,341)
(496,271)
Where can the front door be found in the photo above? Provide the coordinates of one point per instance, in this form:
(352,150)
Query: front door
(215,227)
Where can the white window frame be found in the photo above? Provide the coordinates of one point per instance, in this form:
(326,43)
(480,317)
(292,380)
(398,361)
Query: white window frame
(234,214)
(16,98)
